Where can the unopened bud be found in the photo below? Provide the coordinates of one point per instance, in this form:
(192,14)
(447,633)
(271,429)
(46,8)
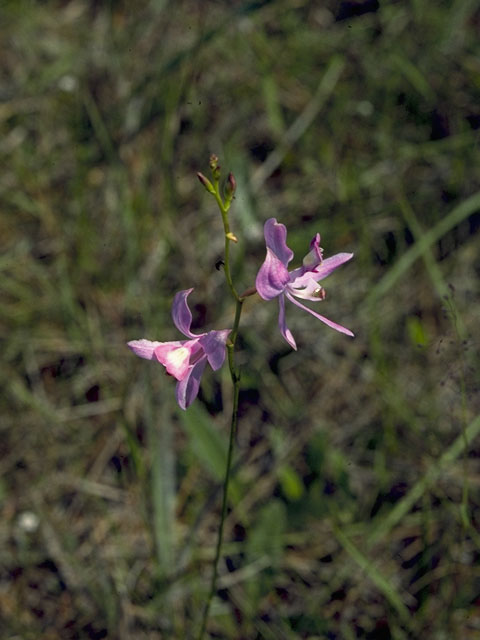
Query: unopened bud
(206,182)
(231,236)
(230,187)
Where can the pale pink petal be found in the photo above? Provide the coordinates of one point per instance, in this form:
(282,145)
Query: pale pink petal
(284,330)
(181,314)
(144,348)
(333,325)
(275,238)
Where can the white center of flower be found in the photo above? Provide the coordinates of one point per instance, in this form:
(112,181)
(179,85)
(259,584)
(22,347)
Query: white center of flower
(176,362)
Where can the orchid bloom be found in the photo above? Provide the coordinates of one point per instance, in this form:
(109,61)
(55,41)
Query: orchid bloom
(185,360)
(274,280)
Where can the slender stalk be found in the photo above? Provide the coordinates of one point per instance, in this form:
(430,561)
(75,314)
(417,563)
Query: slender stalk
(233,429)
(235,375)
(226,227)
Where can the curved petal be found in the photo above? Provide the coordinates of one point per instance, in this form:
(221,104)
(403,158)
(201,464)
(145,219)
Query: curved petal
(330,264)
(275,238)
(272,277)
(145,348)
(181,314)
(333,325)
(187,389)
(213,344)
(284,330)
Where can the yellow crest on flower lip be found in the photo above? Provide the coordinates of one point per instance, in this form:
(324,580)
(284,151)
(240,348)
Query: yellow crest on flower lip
(320,293)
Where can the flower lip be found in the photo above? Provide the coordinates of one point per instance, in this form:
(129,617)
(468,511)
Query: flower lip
(176,359)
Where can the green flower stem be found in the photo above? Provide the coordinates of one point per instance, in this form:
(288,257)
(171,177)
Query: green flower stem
(235,375)
(233,429)
(226,226)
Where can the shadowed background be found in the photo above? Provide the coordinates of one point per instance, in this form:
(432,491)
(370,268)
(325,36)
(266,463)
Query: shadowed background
(354,511)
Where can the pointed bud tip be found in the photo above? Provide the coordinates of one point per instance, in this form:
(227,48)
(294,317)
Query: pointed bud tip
(231,236)
(230,187)
(206,182)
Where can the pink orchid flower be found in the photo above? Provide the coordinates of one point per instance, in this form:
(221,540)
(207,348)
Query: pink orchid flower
(274,280)
(185,360)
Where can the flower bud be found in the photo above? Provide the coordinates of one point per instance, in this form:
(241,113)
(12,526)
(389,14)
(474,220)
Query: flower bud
(206,182)
(230,187)
(231,236)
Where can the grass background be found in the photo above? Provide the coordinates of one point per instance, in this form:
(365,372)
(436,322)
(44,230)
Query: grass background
(355,507)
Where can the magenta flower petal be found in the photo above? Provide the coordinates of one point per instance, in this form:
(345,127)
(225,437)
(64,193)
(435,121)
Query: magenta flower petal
(144,348)
(284,330)
(187,389)
(333,325)
(275,238)
(213,344)
(181,313)
(272,277)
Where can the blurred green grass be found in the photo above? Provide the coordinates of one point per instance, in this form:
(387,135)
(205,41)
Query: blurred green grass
(355,507)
